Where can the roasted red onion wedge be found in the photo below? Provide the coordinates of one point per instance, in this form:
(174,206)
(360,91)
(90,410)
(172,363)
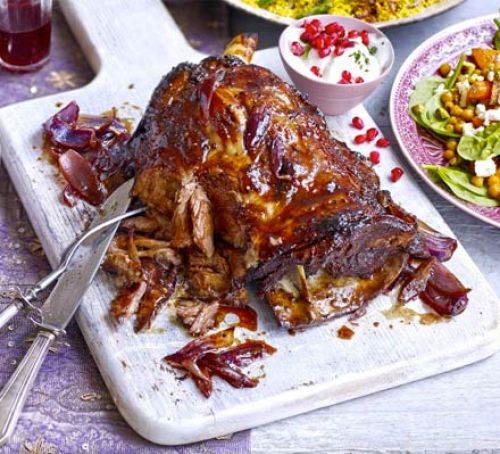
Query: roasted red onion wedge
(444,292)
(438,245)
(212,355)
(99,138)
(82,177)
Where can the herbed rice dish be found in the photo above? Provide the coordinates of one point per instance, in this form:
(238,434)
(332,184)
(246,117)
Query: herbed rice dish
(368,10)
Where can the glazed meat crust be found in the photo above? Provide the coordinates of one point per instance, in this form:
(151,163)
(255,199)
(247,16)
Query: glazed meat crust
(279,190)
(245,183)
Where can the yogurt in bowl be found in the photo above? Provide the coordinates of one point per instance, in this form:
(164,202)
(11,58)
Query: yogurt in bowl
(337,61)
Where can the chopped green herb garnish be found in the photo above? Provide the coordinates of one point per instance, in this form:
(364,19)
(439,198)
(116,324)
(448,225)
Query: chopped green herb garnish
(373,50)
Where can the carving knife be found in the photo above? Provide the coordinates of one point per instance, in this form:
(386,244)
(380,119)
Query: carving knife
(57,311)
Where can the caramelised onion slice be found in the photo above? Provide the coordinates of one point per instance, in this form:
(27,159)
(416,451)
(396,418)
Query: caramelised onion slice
(444,292)
(69,136)
(82,177)
(438,245)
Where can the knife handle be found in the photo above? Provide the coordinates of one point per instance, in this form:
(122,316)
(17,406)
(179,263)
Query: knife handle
(9,313)
(14,394)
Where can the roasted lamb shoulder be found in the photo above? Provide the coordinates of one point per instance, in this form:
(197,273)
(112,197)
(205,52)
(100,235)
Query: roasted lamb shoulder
(249,185)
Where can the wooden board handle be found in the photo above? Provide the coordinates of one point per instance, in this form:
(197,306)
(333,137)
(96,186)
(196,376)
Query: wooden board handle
(140,41)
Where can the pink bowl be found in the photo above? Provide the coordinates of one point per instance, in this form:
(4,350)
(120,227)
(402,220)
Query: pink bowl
(332,98)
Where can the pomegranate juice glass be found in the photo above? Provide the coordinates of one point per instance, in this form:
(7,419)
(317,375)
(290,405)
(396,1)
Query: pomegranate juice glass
(25,27)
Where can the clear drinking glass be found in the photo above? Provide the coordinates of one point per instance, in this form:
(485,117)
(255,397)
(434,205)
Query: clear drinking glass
(25,28)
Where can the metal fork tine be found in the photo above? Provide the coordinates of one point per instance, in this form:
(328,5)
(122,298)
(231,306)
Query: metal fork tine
(28,297)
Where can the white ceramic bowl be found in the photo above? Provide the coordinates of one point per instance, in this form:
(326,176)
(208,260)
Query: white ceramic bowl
(333,98)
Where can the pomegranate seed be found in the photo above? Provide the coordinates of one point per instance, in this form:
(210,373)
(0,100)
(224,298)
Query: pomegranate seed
(343,82)
(346,75)
(359,80)
(360,138)
(357,123)
(396,174)
(330,40)
(341,31)
(324,52)
(383,142)
(297,49)
(353,34)
(318,43)
(316,24)
(338,51)
(311,29)
(332,28)
(371,134)
(365,39)
(347,43)
(305,37)
(315,71)
(375,157)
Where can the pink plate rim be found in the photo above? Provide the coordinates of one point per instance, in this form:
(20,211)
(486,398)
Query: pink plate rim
(423,61)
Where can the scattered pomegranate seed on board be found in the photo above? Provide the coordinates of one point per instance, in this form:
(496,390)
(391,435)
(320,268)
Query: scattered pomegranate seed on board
(371,134)
(383,142)
(375,157)
(360,138)
(396,174)
(357,123)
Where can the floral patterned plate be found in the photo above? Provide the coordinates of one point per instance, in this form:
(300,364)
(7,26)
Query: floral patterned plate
(418,146)
(430,11)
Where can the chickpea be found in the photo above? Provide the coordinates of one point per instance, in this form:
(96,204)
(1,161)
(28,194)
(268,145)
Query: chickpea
(468,114)
(453,120)
(494,191)
(457,111)
(449,128)
(449,105)
(449,154)
(451,144)
(453,161)
(446,97)
(494,179)
(477,181)
(445,69)
(459,127)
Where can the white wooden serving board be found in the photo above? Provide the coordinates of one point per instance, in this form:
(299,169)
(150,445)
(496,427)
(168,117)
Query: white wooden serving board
(135,42)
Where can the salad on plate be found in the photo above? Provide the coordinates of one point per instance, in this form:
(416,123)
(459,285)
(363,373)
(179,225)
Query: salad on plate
(460,106)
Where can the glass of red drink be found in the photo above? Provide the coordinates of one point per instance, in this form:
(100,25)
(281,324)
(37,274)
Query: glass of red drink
(25,27)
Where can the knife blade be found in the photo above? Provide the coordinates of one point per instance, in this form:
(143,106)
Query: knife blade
(63,301)
(57,311)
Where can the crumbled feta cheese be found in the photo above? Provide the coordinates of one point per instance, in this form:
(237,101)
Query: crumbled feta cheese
(485,168)
(497,58)
(480,110)
(490,76)
(469,130)
(480,78)
(463,89)
(491,115)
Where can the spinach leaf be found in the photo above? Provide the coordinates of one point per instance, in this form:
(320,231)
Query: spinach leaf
(457,180)
(483,145)
(430,103)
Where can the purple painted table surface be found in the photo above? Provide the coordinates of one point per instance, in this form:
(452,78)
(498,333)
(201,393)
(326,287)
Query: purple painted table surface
(70,409)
